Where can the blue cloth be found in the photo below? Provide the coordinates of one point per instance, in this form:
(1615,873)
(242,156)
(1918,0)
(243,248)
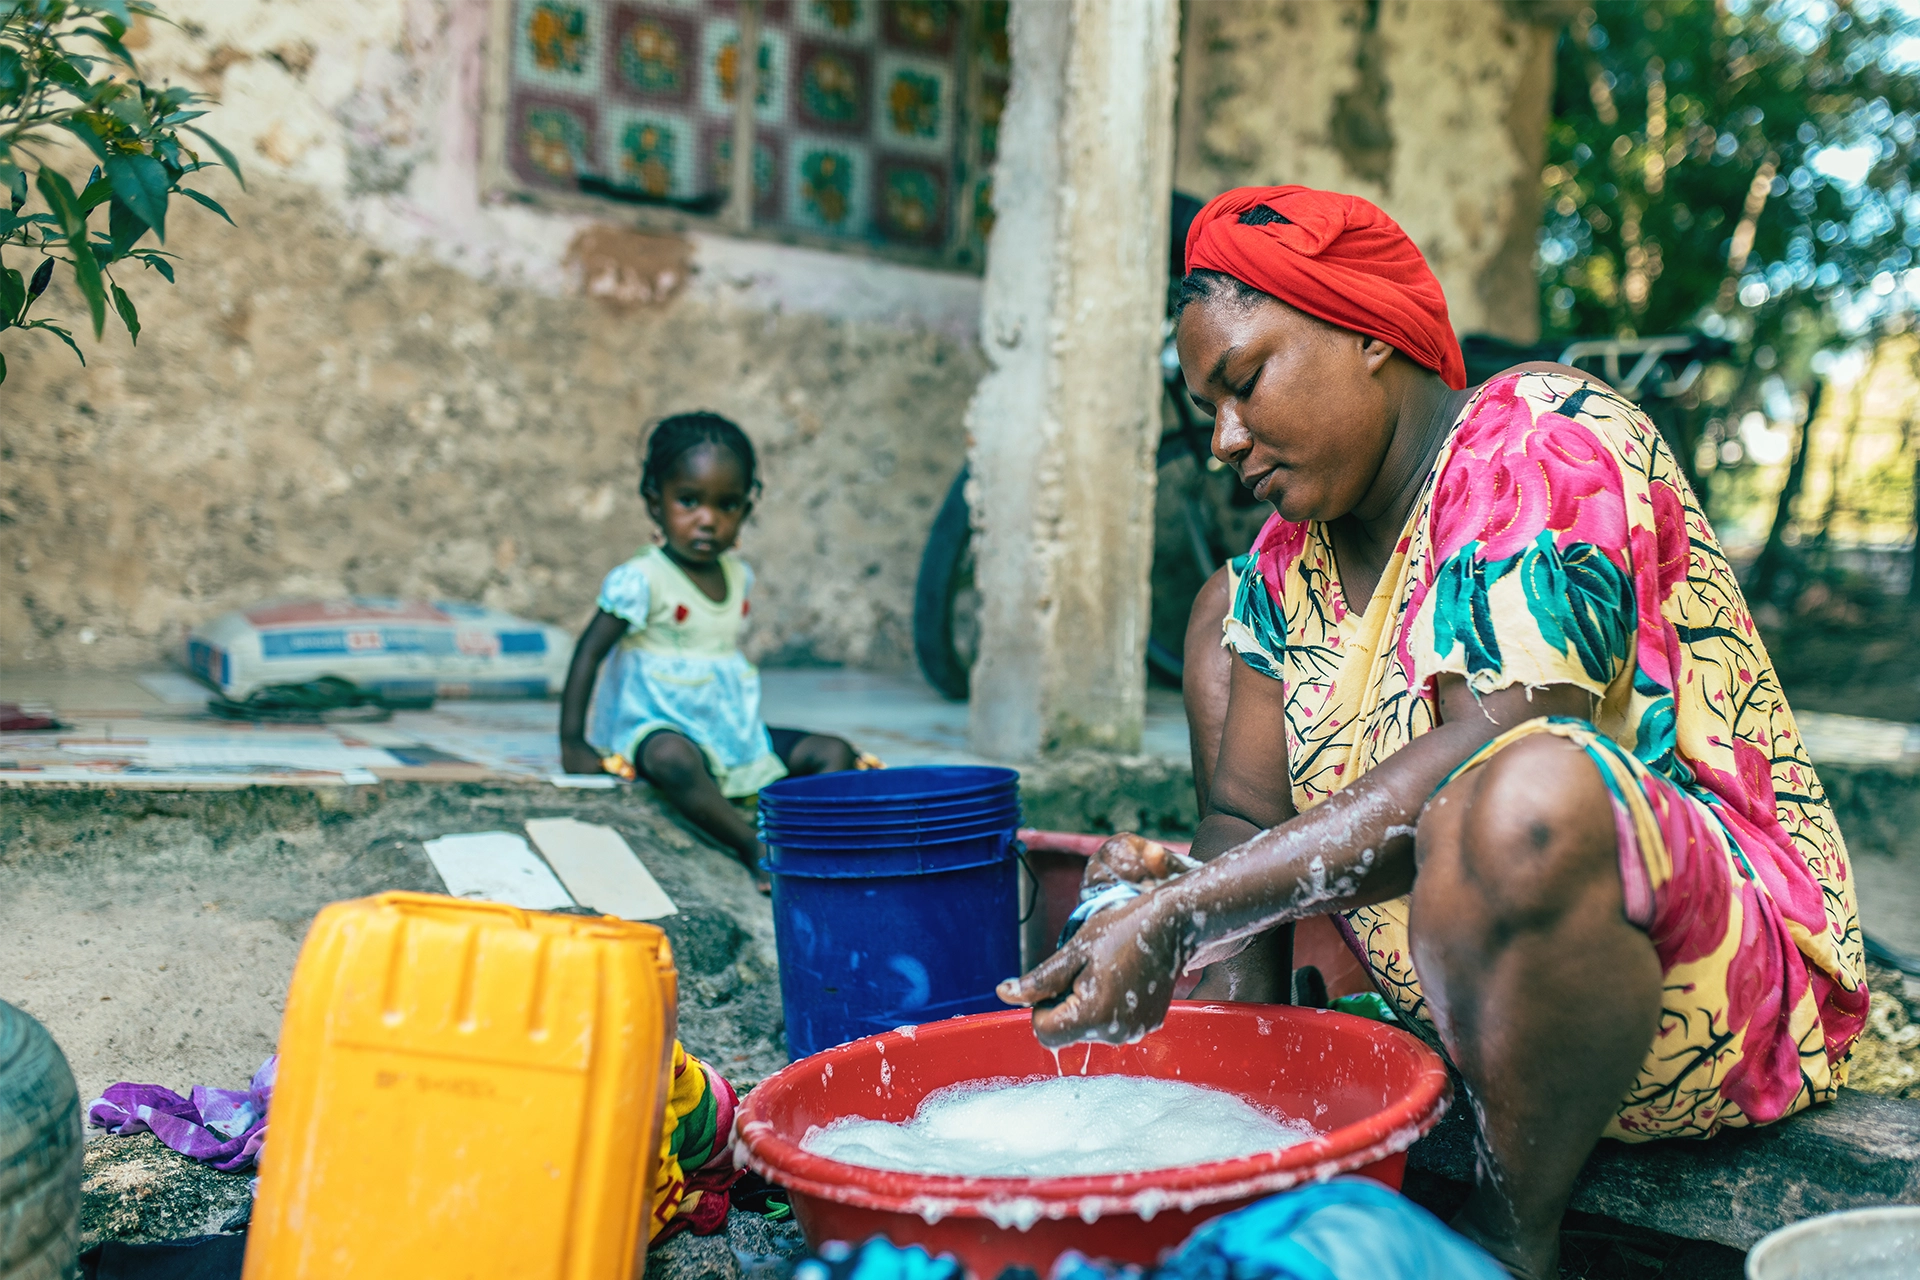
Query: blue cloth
(1346,1229)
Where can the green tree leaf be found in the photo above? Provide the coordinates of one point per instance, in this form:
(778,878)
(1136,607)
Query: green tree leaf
(140,183)
(69,71)
(130,111)
(208,201)
(124,227)
(13,76)
(41,279)
(157,263)
(226,156)
(61,334)
(95,193)
(58,193)
(59,196)
(13,296)
(87,134)
(3,368)
(124,305)
(108,42)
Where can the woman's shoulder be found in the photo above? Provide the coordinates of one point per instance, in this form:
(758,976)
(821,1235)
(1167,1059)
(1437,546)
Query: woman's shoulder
(1531,405)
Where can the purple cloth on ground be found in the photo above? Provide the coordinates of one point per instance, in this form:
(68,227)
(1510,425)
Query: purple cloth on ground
(223,1127)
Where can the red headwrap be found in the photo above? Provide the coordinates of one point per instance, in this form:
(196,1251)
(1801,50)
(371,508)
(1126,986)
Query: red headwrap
(1337,258)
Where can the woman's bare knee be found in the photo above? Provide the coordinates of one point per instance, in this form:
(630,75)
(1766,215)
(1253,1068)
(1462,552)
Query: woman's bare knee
(1518,841)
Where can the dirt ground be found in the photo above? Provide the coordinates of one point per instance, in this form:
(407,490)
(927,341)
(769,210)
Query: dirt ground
(154,934)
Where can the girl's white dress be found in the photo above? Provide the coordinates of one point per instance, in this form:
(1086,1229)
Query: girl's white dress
(679,667)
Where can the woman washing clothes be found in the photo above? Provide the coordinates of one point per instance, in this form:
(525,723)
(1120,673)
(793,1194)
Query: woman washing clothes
(1499,704)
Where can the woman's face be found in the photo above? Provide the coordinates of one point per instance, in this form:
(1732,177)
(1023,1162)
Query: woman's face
(1299,411)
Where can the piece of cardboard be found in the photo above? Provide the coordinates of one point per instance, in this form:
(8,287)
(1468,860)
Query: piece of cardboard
(600,869)
(497,866)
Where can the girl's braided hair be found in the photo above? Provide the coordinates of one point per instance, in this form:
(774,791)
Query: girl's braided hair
(682,433)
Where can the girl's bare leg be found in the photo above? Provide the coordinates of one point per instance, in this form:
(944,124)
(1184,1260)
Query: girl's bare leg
(679,769)
(1546,998)
(820,753)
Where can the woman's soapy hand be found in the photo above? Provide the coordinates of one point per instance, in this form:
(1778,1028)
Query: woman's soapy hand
(1111,983)
(1131,858)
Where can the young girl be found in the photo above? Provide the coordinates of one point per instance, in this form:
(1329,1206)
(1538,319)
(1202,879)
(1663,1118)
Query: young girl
(679,704)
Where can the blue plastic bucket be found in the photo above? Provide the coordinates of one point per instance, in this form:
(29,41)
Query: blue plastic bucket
(877,929)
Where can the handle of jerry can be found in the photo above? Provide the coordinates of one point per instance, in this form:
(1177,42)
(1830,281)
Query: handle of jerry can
(407,899)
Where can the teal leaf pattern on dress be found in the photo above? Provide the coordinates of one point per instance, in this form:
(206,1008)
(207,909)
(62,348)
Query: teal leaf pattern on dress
(1578,598)
(1461,615)
(1255,609)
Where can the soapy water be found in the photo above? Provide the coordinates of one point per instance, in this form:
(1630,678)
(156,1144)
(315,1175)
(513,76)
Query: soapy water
(1047,1127)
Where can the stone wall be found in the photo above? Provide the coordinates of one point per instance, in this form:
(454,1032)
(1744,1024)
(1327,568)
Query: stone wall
(378,383)
(381,383)
(1435,110)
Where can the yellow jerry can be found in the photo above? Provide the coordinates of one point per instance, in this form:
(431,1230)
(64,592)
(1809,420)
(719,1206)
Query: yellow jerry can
(466,1090)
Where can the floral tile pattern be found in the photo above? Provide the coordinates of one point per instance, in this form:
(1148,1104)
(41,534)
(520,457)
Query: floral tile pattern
(877,121)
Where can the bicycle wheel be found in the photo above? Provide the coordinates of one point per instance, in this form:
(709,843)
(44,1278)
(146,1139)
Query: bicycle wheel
(946,626)
(946,623)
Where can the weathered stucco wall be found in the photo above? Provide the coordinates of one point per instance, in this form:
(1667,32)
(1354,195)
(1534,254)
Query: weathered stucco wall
(377,383)
(380,383)
(1435,110)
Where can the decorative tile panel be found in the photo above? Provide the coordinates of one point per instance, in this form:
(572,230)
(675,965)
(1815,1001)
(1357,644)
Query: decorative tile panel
(876,121)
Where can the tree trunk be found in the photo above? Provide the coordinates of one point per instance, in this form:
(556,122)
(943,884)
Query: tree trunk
(1766,569)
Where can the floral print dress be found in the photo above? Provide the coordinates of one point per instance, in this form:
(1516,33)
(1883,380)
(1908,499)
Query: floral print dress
(1556,542)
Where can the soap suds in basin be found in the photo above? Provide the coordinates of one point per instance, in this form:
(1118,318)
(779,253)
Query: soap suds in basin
(1045,1127)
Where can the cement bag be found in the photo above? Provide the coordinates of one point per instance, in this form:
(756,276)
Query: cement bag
(402,649)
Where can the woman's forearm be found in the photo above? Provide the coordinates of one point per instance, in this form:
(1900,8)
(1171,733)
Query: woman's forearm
(1218,833)
(1356,847)
(1353,849)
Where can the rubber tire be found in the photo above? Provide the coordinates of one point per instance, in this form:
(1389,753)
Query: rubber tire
(947,544)
(41,1149)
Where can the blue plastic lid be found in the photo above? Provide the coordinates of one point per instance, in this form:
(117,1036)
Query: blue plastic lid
(1008,810)
(855,841)
(911,783)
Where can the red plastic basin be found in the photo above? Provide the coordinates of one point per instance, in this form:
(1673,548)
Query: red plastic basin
(1371,1089)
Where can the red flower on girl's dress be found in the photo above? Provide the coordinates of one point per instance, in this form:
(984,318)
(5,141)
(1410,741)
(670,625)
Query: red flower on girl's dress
(744,606)
(679,613)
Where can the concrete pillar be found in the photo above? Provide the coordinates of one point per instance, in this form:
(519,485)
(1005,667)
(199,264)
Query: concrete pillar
(1063,427)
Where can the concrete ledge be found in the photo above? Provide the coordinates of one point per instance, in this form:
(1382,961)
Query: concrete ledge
(1094,793)
(1860,1151)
